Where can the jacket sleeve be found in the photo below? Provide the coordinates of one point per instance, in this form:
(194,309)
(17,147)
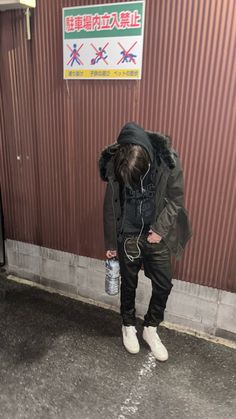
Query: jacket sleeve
(109,222)
(174,201)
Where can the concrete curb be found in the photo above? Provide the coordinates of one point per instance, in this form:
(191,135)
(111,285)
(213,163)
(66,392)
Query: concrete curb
(166,324)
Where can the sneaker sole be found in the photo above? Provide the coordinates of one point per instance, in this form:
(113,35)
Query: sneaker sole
(131,352)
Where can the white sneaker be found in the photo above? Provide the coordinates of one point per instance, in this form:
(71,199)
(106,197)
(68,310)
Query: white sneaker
(130,340)
(151,337)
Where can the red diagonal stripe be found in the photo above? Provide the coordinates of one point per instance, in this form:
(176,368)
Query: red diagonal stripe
(100,52)
(126,52)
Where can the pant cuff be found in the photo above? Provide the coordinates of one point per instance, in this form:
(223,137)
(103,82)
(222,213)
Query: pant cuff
(129,322)
(151,323)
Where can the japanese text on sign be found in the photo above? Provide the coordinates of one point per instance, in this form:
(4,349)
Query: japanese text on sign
(103,41)
(107,21)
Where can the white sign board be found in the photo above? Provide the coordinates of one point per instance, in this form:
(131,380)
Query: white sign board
(103,41)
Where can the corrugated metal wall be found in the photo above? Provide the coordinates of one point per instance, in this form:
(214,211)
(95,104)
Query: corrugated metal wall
(52,131)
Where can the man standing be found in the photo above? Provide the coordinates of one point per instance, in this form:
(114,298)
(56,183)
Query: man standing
(144,223)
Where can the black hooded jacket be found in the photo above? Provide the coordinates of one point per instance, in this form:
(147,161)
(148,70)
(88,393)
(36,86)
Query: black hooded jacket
(170,220)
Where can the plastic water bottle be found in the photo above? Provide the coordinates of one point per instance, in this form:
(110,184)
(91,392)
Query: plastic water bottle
(112,279)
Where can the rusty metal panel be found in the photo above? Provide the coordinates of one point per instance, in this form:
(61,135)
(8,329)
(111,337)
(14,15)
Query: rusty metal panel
(53,130)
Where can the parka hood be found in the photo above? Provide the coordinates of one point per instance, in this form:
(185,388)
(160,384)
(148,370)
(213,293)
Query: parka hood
(156,144)
(131,133)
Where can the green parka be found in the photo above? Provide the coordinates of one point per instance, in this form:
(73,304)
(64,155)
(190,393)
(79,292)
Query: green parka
(171,219)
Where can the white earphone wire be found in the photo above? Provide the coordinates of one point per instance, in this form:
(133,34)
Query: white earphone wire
(130,257)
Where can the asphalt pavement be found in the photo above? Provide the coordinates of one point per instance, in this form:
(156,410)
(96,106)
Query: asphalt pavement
(64,359)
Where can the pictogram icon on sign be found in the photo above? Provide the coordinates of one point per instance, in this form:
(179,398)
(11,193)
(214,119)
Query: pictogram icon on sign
(101,54)
(127,56)
(74,55)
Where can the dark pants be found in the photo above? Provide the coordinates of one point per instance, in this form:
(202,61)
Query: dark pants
(156,261)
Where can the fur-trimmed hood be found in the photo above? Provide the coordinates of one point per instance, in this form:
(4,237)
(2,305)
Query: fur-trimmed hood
(156,144)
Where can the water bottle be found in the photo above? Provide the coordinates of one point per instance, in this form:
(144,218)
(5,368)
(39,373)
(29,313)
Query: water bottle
(112,279)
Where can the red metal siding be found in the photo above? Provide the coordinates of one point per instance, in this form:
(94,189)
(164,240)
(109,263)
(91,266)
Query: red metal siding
(53,197)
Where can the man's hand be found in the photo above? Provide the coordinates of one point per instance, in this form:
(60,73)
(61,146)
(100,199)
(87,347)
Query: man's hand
(153,237)
(111,254)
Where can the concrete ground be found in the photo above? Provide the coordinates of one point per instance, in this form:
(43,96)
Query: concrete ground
(64,359)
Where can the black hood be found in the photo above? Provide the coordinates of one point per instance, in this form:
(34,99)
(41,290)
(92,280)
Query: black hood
(158,146)
(131,133)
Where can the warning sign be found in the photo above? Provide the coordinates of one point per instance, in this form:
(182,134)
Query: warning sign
(103,41)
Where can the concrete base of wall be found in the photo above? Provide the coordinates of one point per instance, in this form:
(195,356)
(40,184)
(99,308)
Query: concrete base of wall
(192,306)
